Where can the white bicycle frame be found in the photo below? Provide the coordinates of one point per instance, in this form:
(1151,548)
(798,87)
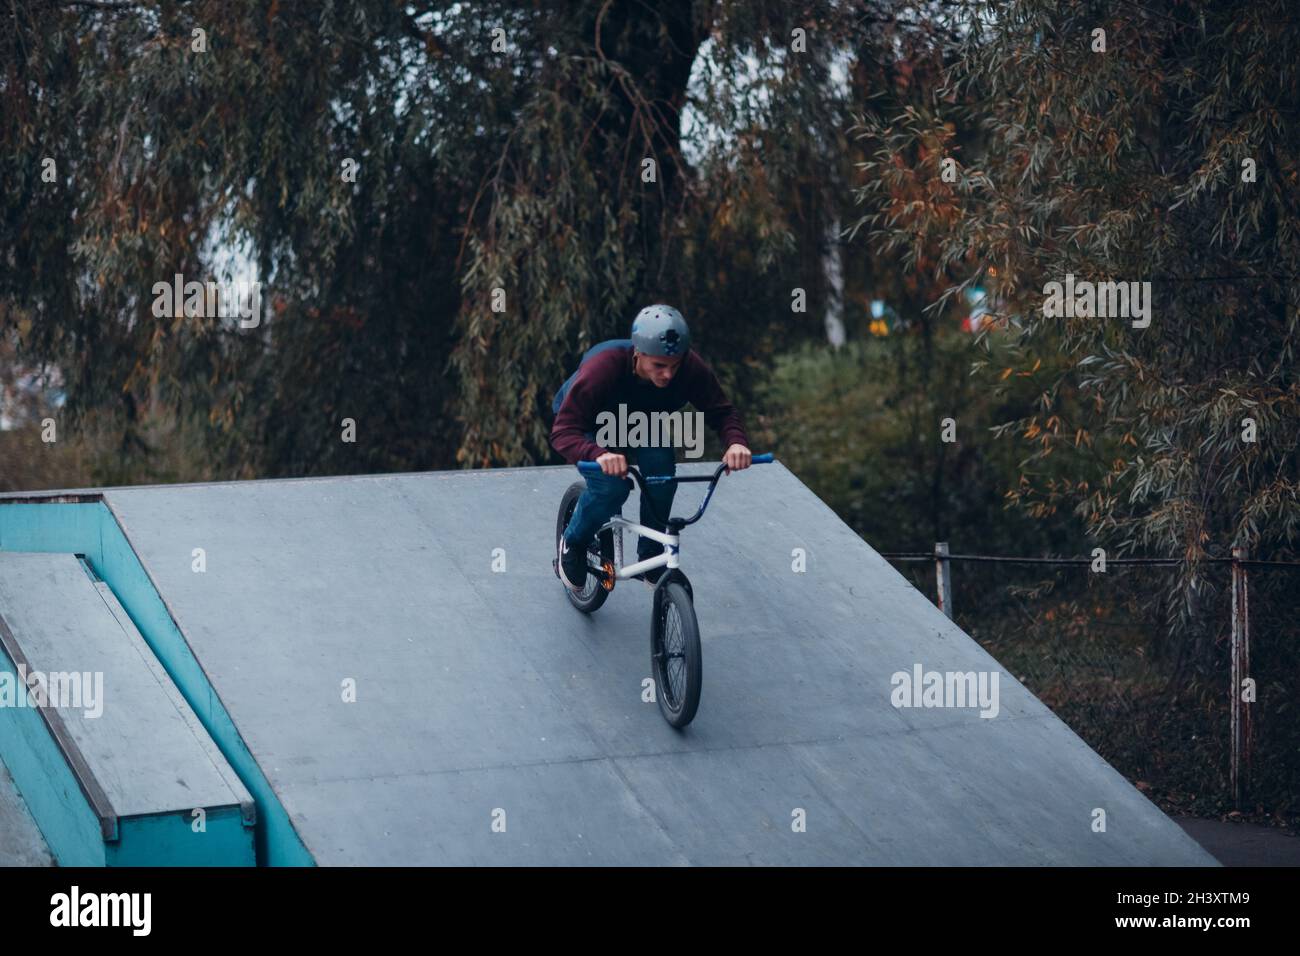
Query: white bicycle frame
(671,557)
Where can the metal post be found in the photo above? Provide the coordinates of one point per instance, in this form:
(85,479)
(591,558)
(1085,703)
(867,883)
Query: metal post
(1241,735)
(943,577)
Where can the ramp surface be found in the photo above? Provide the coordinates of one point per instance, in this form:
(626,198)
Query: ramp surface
(494,724)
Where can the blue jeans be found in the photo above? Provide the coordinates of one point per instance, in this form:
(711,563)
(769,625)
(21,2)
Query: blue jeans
(605,495)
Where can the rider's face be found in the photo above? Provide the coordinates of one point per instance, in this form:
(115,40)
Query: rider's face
(657,369)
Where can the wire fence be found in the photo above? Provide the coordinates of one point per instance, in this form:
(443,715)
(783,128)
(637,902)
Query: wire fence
(1136,608)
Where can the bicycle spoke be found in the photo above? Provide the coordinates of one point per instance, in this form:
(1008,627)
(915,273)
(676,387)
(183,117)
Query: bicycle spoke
(674,663)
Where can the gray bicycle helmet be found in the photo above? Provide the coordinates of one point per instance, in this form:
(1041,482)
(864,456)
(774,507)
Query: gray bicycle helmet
(660,330)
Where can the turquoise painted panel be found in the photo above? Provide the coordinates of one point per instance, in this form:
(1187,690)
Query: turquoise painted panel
(59,527)
(47,784)
(170,840)
(89,528)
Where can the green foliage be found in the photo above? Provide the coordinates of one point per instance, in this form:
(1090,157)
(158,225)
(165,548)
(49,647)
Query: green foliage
(1128,165)
(163,152)
(862,427)
(516,167)
(735,218)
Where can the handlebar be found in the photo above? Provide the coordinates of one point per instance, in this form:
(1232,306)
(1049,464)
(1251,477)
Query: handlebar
(593,468)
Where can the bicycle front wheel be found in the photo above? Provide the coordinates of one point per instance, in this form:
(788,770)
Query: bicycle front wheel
(675,656)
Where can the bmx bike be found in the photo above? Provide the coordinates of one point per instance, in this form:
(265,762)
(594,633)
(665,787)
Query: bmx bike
(674,632)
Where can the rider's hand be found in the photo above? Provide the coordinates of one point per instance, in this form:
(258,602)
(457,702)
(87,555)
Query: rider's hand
(737,458)
(613,465)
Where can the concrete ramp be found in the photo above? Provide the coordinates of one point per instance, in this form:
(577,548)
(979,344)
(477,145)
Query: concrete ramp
(391,666)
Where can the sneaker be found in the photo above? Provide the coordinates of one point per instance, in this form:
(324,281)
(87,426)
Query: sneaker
(573,566)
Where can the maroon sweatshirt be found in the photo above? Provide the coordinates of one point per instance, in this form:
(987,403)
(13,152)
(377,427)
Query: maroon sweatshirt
(606,380)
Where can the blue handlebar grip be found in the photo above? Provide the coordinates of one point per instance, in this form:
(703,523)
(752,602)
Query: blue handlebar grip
(589,468)
(764,459)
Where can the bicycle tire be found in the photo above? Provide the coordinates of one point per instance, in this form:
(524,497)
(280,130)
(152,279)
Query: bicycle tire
(675,658)
(591,597)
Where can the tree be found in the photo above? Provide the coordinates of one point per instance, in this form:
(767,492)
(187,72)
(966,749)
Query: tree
(386,169)
(1162,151)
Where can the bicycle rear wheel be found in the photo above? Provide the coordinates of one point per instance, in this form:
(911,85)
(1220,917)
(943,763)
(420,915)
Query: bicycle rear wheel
(675,656)
(593,595)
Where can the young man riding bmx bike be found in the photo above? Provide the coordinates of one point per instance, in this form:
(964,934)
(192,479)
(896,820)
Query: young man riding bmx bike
(653,371)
